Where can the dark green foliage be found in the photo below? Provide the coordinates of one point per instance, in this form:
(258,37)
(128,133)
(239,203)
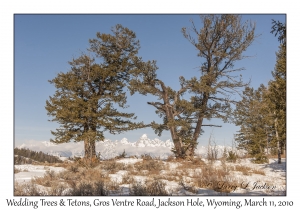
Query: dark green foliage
(251,115)
(231,157)
(123,155)
(277,89)
(89,97)
(220,43)
(261,114)
(26,156)
(279,29)
(260,159)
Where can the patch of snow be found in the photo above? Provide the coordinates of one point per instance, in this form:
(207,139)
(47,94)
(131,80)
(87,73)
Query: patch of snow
(129,160)
(29,171)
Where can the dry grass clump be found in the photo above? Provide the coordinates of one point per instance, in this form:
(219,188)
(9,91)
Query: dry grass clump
(58,189)
(83,178)
(244,169)
(152,166)
(216,179)
(47,180)
(170,177)
(64,164)
(112,166)
(84,174)
(154,187)
(71,181)
(191,164)
(258,171)
(87,188)
(248,171)
(127,179)
(27,189)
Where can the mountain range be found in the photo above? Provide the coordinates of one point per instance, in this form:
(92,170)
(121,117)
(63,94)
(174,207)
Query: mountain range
(109,149)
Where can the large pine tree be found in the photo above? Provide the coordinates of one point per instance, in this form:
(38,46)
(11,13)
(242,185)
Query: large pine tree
(220,43)
(277,89)
(261,114)
(89,97)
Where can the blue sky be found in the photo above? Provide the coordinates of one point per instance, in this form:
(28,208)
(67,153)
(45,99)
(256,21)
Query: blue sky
(43,45)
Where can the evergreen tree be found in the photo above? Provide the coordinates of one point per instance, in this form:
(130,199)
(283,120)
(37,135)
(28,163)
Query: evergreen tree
(86,100)
(251,114)
(220,42)
(261,113)
(277,89)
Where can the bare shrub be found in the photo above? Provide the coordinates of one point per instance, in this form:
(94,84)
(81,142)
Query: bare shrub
(127,179)
(46,180)
(153,166)
(138,189)
(113,186)
(146,157)
(27,189)
(100,188)
(212,150)
(112,166)
(73,168)
(57,190)
(156,187)
(193,164)
(150,188)
(84,188)
(122,155)
(216,179)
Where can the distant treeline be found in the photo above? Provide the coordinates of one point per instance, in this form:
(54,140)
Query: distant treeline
(27,156)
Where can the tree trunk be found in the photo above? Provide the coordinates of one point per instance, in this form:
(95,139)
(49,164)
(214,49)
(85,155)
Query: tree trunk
(89,149)
(278,142)
(200,121)
(267,143)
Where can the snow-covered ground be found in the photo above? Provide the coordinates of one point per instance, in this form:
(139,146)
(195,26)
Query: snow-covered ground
(269,180)
(272,182)
(29,171)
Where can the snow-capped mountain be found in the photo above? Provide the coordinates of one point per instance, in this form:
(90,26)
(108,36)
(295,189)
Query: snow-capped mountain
(106,148)
(109,149)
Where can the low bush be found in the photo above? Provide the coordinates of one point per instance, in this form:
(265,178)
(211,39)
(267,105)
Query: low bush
(153,166)
(150,188)
(231,157)
(112,166)
(27,189)
(260,159)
